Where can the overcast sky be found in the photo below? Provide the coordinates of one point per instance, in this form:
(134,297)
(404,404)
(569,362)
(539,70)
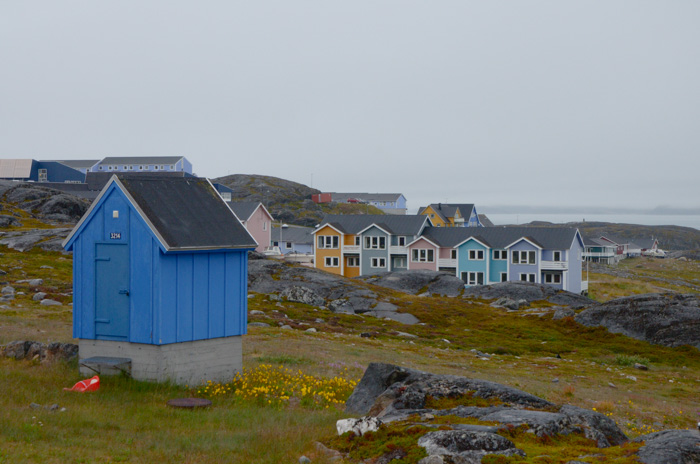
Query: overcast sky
(540,103)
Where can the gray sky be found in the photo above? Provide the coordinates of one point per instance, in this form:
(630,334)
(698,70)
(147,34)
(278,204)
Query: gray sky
(542,103)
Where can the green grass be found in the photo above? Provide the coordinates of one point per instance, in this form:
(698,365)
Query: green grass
(128,421)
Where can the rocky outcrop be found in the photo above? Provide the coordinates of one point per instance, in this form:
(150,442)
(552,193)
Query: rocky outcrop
(44,203)
(317,288)
(40,351)
(662,319)
(418,281)
(670,447)
(391,393)
(25,240)
(529,292)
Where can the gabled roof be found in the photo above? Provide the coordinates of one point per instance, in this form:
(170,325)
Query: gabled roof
(183,213)
(643,243)
(552,238)
(97,180)
(615,240)
(295,234)
(409,224)
(16,168)
(598,242)
(449,210)
(245,209)
(141,159)
(343,196)
(78,164)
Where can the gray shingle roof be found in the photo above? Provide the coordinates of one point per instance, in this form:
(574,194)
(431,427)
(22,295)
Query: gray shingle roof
(552,238)
(343,196)
(296,234)
(97,180)
(188,213)
(409,224)
(141,160)
(78,164)
(243,209)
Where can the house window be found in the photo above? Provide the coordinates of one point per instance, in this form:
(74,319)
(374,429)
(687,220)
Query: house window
(400,262)
(473,278)
(289,245)
(453,254)
(402,241)
(109,168)
(328,241)
(527,278)
(156,168)
(500,254)
(131,168)
(422,255)
(523,257)
(375,243)
(264,225)
(172,168)
(100,168)
(353,261)
(43,175)
(504,277)
(357,240)
(161,167)
(378,262)
(476,255)
(331,261)
(141,168)
(552,278)
(275,243)
(556,256)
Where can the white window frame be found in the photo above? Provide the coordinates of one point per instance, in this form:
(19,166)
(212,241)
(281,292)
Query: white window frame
(375,242)
(453,254)
(554,255)
(552,278)
(473,278)
(504,277)
(500,255)
(423,255)
(378,263)
(476,255)
(328,242)
(332,261)
(529,255)
(155,167)
(528,277)
(401,241)
(264,225)
(353,261)
(357,240)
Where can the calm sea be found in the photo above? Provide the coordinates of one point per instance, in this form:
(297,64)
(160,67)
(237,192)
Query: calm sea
(644,219)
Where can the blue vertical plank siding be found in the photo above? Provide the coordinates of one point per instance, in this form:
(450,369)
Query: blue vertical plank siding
(201,276)
(175,296)
(184,297)
(217,296)
(168,299)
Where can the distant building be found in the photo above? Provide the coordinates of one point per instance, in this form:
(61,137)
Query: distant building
(293,239)
(116,164)
(600,251)
(389,203)
(256,219)
(452,214)
(29,170)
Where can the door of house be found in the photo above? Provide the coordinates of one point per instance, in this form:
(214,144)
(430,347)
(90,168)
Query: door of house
(112,291)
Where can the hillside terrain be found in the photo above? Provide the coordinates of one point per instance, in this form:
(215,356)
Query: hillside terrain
(287,201)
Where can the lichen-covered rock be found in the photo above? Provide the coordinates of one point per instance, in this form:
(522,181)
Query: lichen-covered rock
(466,445)
(301,294)
(415,281)
(662,319)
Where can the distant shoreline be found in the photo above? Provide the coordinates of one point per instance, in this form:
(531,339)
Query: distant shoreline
(638,219)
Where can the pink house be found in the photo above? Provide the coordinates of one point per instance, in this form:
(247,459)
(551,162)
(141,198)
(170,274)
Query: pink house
(435,249)
(256,219)
(423,254)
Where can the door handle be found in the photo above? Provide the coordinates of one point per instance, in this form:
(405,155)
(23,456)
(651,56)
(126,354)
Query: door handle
(124,292)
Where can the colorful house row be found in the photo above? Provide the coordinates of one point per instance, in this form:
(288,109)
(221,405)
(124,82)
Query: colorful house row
(389,203)
(452,214)
(362,245)
(354,245)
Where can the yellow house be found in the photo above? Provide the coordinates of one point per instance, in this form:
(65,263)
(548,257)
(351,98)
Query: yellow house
(452,215)
(328,254)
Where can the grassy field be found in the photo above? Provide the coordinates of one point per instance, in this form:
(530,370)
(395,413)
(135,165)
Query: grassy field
(128,421)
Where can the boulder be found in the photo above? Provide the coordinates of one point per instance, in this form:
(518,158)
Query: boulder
(670,447)
(28,239)
(468,446)
(529,292)
(417,281)
(301,294)
(662,319)
(358,426)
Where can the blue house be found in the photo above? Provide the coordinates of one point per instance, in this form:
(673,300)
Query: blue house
(39,171)
(160,280)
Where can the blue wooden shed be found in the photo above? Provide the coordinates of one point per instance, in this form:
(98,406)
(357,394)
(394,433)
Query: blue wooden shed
(160,277)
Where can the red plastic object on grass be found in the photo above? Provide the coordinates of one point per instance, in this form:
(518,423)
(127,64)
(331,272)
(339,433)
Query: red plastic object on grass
(87,385)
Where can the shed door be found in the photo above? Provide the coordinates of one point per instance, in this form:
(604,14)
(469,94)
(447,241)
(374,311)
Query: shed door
(112,291)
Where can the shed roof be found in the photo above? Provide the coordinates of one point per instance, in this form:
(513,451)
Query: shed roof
(16,168)
(409,224)
(184,213)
